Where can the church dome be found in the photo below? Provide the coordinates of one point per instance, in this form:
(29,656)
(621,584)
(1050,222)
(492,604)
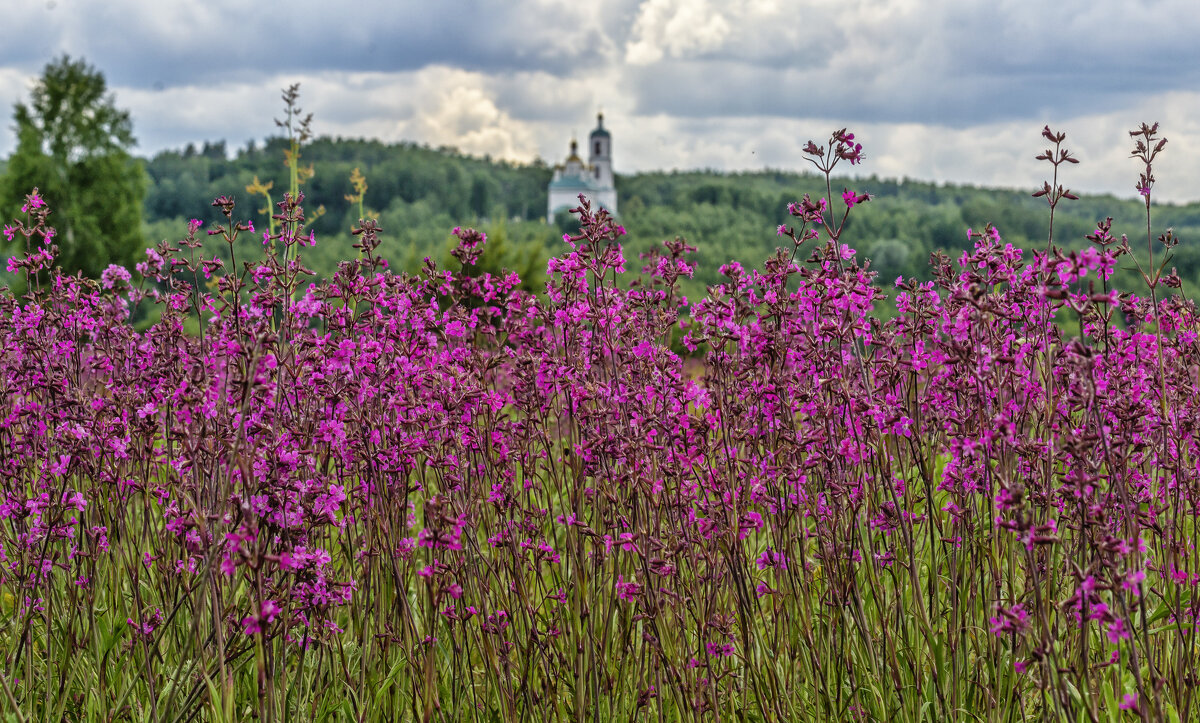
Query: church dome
(599,127)
(574,157)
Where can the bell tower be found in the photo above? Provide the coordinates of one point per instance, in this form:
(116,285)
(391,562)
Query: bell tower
(600,154)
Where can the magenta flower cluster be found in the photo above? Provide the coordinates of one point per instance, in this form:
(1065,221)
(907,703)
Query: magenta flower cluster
(516,502)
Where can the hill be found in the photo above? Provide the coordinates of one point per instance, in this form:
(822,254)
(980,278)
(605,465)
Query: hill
(419,193)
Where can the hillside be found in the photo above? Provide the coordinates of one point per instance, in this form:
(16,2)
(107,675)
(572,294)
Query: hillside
(420,193)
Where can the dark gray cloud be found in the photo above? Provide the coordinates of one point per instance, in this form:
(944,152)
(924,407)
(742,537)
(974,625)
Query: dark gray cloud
(706,88)
(955,64)
(159,45)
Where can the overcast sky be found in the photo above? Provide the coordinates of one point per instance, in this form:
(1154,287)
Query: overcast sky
(953,90)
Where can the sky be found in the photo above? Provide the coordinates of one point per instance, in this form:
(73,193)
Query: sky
(943,90)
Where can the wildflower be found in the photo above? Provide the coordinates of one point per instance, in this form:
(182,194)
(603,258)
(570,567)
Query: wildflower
(33,201)
(770,558)
(111,276)
(628,542)
(1009,620)
(74,499)
(1133,581)
(627,590)
(254,624)
(719,650)
(1117,631)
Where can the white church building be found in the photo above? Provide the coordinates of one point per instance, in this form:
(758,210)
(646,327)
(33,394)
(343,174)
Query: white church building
(594,180)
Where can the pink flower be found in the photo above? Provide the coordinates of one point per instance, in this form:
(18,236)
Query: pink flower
(10,232)
(1009,620)
(849,198)
(628,542)
(718,650)
(1117,631)
(113,275)
(1133,581)
(74,499)
(770,558)
(627,591)
(254,624)
(35,201)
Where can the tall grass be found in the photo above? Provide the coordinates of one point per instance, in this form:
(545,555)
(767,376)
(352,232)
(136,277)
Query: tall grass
(437,497)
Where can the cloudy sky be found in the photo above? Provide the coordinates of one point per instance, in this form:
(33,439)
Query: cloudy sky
(948,90)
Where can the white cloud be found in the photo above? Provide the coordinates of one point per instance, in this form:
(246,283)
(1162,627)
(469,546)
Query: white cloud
(455,108)
(14,88)
(437,105)
(678,28)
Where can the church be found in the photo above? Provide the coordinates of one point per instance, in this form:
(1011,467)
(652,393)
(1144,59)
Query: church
(594,180)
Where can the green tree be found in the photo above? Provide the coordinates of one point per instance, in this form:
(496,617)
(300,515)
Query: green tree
(73,144)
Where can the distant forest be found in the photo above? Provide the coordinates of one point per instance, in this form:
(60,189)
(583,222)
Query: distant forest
(419,194)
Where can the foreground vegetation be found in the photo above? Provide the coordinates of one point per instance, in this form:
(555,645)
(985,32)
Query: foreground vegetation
(440,497)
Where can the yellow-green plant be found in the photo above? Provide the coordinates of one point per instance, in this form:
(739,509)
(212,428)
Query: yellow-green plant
(258,188)
(359,182)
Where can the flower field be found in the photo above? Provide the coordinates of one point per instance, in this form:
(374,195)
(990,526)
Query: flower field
(438,497)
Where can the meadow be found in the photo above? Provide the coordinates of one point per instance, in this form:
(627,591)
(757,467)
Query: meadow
(440,497)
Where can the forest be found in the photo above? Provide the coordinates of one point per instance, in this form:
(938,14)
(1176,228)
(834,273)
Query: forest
(420,193)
